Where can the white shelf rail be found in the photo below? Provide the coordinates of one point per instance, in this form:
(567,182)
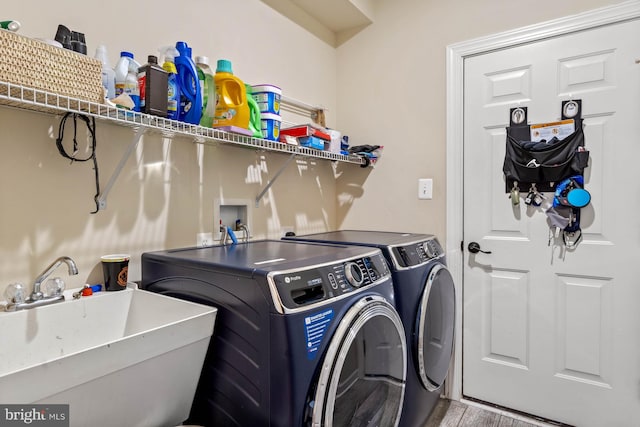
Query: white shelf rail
(26,98)
(38,100)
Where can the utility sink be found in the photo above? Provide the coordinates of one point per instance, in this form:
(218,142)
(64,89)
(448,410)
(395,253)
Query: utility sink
(125,358)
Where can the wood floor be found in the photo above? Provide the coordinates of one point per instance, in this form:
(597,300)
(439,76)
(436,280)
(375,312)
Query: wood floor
(449,413)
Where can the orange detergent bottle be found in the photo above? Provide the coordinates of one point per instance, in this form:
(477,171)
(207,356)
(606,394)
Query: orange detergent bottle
(232,108)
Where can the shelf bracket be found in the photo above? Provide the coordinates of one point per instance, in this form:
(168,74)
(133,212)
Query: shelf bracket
(102,197)
(273,180)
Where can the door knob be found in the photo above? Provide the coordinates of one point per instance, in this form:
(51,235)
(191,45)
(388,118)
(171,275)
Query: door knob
(474,248)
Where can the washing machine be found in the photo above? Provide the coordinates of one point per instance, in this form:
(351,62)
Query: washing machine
(306,334)
(425,300)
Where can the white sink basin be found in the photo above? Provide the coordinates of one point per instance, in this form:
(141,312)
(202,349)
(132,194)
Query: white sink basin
(126,358)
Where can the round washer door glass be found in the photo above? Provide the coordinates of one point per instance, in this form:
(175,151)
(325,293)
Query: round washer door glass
(435,325)
(363,373)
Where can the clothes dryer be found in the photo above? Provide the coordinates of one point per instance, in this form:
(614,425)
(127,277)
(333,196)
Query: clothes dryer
(306,334)
(425,299)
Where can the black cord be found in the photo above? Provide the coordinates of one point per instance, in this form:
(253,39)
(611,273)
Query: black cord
(91,126)
(95,164)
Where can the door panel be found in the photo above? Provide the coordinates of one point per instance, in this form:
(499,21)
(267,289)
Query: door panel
(584,326)
(550,331)
(507,331)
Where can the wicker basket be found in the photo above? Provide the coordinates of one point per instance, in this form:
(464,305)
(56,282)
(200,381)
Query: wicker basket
(38,65)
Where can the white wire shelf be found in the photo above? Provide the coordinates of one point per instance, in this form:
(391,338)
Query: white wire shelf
(38,100)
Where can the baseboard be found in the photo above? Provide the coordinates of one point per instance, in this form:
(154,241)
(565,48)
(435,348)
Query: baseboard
(507,413)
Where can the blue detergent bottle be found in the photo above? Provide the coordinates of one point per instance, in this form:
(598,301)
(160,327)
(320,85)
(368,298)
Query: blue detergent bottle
(191,93)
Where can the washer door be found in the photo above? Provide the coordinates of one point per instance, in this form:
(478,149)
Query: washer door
(435,324)
(363,373)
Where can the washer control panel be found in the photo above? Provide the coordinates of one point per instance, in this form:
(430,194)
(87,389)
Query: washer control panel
(309,286)
(417,253)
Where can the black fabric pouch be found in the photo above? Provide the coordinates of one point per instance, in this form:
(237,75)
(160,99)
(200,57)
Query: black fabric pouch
(544,163)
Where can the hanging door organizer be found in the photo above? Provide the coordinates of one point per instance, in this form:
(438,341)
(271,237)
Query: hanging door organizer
(544,154)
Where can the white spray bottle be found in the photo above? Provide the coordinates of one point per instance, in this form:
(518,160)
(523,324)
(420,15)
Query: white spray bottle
(108,75)
(173,90)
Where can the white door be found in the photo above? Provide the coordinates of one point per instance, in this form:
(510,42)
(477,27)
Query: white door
(546,331)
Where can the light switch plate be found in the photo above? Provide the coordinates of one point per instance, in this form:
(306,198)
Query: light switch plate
(425,188)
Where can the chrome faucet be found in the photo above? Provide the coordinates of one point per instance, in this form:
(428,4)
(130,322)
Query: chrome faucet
(224,234)
(73,270)
(245,230)
(227,233)
(37,298)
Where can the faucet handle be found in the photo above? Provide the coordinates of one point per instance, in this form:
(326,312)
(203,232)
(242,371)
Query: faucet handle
(53,287)
(15,293)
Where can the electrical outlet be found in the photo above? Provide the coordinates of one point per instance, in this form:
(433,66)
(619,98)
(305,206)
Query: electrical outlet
(204,239)
(425,188)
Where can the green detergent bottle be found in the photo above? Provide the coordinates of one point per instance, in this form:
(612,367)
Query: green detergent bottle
(255,125)
(208,89)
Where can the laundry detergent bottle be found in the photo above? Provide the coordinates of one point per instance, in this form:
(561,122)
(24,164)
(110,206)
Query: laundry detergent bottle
(205,75)
(190,93)
(255,120)
(131,83)
(126,76)
(232,108)
(121,70)
(173,86)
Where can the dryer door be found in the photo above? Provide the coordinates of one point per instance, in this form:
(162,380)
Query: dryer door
(435,324)
(363,373)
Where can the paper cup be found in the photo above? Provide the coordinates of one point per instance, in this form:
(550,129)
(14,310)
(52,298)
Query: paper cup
(115,269)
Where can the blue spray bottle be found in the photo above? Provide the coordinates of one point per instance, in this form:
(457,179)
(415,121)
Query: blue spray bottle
(191,93)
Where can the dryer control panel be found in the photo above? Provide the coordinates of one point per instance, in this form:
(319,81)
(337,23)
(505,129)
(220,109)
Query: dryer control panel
(309,286)
(417,253)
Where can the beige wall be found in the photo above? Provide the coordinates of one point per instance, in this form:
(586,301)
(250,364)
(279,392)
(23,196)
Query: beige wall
(384,86)
(167,190)
(391,86)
